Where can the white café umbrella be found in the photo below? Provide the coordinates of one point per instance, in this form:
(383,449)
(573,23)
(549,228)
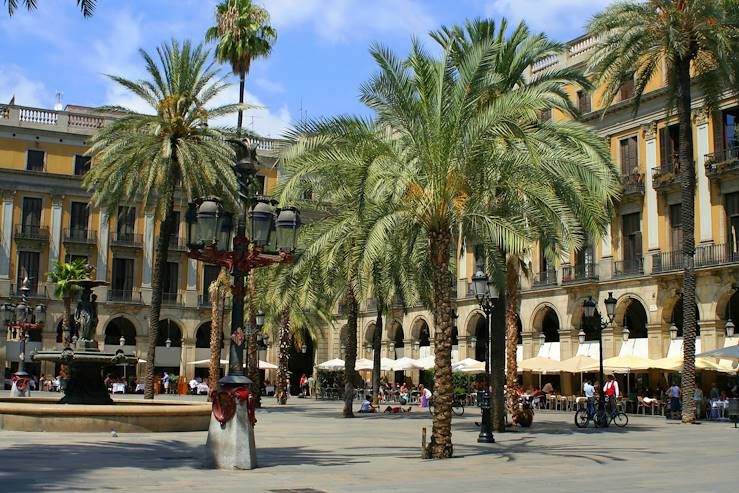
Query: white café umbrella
(468,365)
(731,352)
(200,362)
(263,365)
(428,362)
(363,364)
(332,364)
(406,363)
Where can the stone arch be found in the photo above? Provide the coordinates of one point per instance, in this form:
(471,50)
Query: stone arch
(471,321)
(117,326)
(169,329)
(369,333)
(421,331)
(141,330)
(727,304)
(546,320)
(477,328)
(677,317)
(202,335)
(395,332)
(631,312)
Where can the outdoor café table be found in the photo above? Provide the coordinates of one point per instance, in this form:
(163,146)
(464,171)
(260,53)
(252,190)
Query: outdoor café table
(119,388)
(139,386)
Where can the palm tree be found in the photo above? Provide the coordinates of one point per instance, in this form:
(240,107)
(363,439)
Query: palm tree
(697,40)
(147,158)
(62,276)
(86,6)
(217,293)
(517,50)
(243,33)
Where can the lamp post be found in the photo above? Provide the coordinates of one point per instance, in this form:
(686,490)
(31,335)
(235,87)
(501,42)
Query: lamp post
(487,296)
(589,306)
(729,328)
(270,238)
(22,318)
(263,236)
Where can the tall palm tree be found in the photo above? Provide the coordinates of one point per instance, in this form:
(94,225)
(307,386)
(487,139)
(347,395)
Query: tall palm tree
(517,50)
(86,6)
(62,276)
(217,293)
(148,158)
(242,33)
(698,41)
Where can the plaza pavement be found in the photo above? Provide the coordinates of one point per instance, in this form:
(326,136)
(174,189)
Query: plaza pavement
(306,446)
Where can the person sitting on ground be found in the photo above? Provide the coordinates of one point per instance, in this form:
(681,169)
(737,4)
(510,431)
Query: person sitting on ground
(397,409)
(367,406)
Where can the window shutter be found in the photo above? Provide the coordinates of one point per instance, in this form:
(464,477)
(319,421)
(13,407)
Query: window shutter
(664,143)
(719,141)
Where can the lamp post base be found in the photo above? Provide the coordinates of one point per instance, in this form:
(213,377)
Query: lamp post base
(231,445)
(486,432)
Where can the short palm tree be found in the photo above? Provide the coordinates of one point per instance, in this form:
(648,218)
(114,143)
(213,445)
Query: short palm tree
(62,276)
(148,158)
(698,41)
(242,33)
(86,6)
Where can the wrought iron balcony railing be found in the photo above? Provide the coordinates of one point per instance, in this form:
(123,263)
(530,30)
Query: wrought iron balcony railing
(80,235)
(31,232)
(579,273)
(131,240)
(628,267)
(545,278)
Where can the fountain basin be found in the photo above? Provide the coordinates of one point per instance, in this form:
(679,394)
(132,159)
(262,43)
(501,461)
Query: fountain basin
(124,416)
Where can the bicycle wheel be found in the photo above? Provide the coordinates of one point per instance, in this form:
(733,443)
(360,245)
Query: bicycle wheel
(620,419)
(582,418)
(457,408)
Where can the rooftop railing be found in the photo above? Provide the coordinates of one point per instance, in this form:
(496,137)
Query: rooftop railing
(62,121)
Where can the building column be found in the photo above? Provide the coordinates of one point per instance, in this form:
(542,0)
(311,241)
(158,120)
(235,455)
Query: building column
(650,139)
(5,241)
(462,347)
(191,294)
(408,351)
(148,256)
(606,257)
(658,340)
(703,186)
(55,230)
(712,334)
(103,238)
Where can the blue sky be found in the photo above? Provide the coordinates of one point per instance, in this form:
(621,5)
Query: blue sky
(320,59)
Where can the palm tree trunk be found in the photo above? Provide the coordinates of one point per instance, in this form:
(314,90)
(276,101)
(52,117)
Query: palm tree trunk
(252,351)
(160,266)
(242,84)
(351,352)
(217,301)
(284,357)
(511,330)
(440,445)
(497,361)
(377,347)
(67,322)
(687,212)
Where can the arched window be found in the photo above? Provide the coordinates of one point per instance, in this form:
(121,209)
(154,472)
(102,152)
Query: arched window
(120,326)
(202,336)
(677,318)
(169,330)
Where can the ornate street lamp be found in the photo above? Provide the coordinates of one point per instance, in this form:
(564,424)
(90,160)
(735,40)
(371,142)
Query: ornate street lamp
(122,341)
(729,328)
(673,330)
(542,338)
(473,341)
(590,313)
(303,349)
(625,332)
(486,294)
(581,337)
(21,319)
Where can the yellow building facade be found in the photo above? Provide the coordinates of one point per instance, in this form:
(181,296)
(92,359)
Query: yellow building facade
(45,216)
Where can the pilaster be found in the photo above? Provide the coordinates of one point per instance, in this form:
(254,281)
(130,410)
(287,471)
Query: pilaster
(102,247)
(705,233)
(55,230)
(8,197)
(191,293)
(148,248)
(650,194)
(658,340)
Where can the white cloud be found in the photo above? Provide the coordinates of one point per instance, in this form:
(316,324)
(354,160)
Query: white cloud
(556,17)
(341,20)
(261,119)
(27,92)
(269,85)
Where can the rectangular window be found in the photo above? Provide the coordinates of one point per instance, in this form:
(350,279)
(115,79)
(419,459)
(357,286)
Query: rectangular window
(669,143)
(35,160)
(171,275)
(676,227)
(627,89)
(31,213)
(81,164)
(631,232)
(126,223)
(731,129)
(79,218)
(629,155)
(261,182)
(175,228)
(210,274)
(28,266)
(732,220)
(122,278)
(583,101)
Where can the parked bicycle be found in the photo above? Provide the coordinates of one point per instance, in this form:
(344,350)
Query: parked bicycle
(601,418)
(457,405)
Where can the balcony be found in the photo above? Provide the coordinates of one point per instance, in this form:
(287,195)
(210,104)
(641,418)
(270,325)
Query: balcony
(25,232)
(667,261)
(629,267)
(666,177)
(204,302)
(178,244)
(722,163)
(81,236)
(172,299)
(126,240)
(633,184)
(124,296)
(711,255)
(580,273)
(544,279)
(38,291)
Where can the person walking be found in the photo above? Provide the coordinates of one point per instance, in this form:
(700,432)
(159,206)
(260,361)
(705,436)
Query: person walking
(674,394)
(166,379)
(590,396)
(611,391)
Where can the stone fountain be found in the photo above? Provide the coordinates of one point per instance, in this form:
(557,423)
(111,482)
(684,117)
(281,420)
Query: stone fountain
(83,357)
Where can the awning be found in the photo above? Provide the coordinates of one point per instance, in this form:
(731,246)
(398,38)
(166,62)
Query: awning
(332,364)
(623,364)
(539,364)
(405,363)
(549,350)
(578,364)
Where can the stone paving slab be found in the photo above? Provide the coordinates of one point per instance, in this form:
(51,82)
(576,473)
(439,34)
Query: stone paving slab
(306,446)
